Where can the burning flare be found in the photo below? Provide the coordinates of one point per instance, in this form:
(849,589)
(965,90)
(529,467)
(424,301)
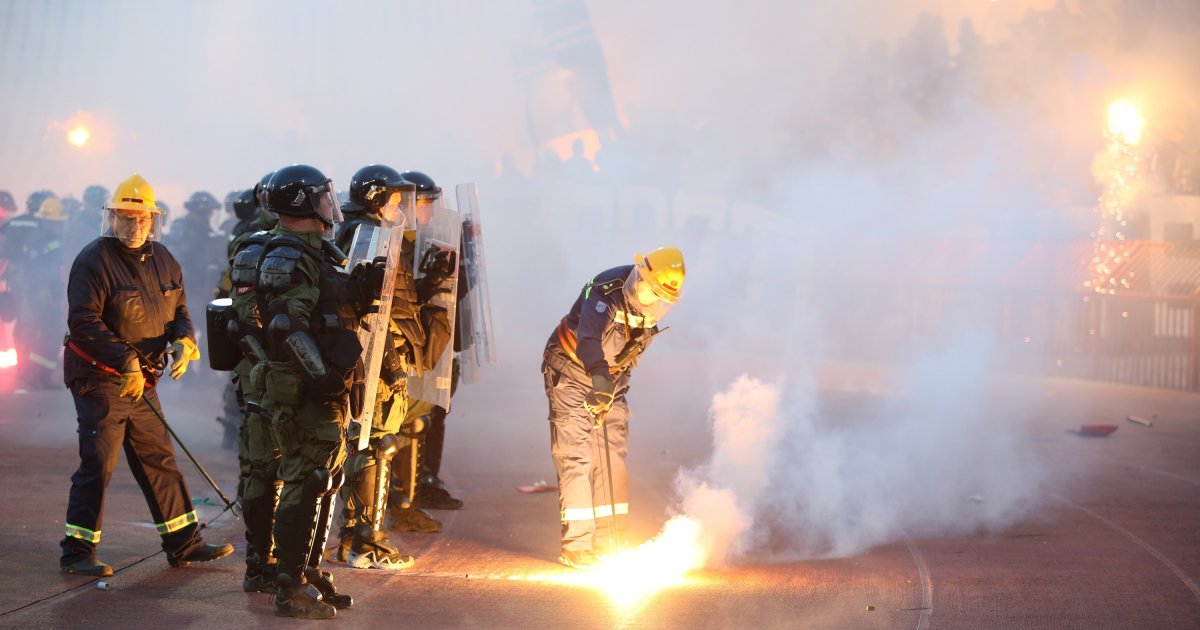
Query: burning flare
(635,575)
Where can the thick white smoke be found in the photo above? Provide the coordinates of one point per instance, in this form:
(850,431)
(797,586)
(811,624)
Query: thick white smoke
(791,477)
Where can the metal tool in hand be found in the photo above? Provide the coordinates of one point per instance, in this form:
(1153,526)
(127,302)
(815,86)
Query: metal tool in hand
(234,506)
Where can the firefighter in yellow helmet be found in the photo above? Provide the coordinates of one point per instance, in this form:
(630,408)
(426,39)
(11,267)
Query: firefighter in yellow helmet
(586,365)
(127,313)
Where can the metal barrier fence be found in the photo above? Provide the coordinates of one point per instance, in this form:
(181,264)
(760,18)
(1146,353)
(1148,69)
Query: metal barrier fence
(1145,340)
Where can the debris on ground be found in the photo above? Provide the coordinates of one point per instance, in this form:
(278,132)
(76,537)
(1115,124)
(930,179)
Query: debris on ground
(1094,430)
(1142,421)
(539,486)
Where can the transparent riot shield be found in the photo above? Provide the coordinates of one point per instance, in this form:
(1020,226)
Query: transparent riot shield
(371,243)
(476,344)
(438,228)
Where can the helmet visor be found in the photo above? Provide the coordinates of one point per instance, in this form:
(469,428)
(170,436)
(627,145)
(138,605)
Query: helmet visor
(641,298)
(324,200)
(132,227)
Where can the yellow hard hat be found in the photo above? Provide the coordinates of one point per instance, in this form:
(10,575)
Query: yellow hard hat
(134,195)
(663,270)
(51,209)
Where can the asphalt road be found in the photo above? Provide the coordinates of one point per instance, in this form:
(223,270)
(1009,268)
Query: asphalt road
(1116,545)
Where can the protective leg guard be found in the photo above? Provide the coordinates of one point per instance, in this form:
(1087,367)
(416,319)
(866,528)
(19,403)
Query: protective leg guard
(322,580)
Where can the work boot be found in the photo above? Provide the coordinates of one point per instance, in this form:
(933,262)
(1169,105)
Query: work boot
(302,602)
(414,520)
(86,566)
(584,559)
(202,553)
(323,582)
(259,579)
(432,494)
(376,553)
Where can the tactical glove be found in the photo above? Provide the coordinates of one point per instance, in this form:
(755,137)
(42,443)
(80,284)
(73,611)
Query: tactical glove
(132,385)
(182,352)
(366,284)
(437,264)
(600,399)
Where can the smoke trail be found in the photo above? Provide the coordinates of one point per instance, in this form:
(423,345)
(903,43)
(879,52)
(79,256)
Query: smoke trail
(792,477)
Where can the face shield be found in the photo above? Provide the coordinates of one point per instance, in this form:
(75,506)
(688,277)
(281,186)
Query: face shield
(640,297)
(399,211)
(132,227)
(325,201)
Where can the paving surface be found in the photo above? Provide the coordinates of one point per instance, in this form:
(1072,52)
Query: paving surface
(1115,546)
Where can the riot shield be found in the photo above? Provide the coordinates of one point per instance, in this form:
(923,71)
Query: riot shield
(476,343)
(438,228)
(371,243)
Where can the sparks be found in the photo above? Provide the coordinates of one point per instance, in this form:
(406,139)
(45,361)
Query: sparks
(635,575)
(1121,179)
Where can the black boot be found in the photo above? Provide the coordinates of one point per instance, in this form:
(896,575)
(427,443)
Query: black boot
(302,602)
(86,566)
(323,581)
(260,575)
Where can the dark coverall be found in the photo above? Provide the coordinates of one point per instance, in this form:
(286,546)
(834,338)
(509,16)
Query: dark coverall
(588,340)
(119,300)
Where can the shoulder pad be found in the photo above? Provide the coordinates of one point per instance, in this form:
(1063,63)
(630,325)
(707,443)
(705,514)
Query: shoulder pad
(275,271)
(245,264)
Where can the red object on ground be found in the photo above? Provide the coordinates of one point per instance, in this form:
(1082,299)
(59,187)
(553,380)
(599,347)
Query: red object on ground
(540,486)
(1096,430)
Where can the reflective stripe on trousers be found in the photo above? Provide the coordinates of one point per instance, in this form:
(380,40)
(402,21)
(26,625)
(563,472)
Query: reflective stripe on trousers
(579,460)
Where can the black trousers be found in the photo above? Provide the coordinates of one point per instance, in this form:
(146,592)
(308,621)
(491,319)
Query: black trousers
(108,423)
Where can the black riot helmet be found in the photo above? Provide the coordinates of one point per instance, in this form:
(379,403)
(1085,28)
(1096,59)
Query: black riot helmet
(201,203)
(245,206)
(426,188)
(260,190)
(297,190)
(368,187)
(95,196)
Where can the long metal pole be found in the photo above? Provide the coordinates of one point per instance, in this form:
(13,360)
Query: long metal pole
(207,477)
(614,536)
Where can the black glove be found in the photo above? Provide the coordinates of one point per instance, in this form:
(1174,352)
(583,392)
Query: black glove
(330,387)
(366,284)
(437,264)
(600,399)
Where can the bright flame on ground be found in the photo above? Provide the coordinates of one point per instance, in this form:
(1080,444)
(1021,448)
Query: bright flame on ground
(79,135)
(637,574)
(8,358)
(1121,180)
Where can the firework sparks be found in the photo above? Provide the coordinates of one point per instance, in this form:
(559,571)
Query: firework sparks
(635,575)
(1121,178)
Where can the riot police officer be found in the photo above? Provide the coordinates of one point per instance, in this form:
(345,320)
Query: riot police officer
(586,366)
(313,349)
(34,248)
(364,544)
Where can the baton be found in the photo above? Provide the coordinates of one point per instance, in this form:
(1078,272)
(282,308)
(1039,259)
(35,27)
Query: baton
(207,477)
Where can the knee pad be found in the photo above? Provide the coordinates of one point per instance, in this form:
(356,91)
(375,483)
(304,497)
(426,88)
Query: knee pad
(386,447)
(317,484)
(336,481)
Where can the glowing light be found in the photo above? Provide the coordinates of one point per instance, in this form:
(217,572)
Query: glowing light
(79,135)
(8,358)
(1121,179)
(635,575)
(1125,122)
